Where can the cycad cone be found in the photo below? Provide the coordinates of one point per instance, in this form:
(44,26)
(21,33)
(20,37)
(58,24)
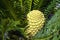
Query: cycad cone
(36,21)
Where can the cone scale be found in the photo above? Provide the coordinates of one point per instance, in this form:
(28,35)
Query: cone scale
(36,21)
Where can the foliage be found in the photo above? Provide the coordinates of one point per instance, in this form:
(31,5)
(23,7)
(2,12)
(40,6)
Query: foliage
(13,17)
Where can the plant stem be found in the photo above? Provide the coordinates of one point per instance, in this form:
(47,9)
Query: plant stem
(2,35)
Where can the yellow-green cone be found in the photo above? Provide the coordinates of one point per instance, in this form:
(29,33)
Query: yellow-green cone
(36,21)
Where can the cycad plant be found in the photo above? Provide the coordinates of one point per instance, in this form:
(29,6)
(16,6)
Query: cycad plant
(29,19)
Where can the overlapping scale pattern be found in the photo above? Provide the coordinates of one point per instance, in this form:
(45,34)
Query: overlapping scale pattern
(36,21)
